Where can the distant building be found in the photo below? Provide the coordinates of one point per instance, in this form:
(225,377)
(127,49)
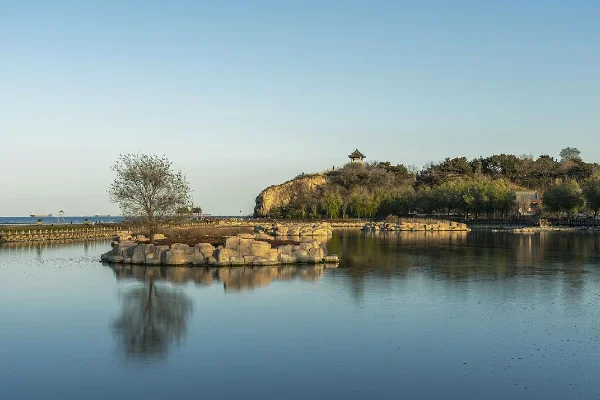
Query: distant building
(529,203)
(356,156)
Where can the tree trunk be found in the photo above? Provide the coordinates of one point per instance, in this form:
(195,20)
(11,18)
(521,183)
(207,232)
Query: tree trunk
(152,232)
(149,305)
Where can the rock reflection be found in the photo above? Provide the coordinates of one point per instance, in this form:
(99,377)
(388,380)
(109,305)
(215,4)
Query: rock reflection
(151,319)
(232,278)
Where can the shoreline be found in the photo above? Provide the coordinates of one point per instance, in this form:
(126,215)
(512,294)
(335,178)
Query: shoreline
(291,229)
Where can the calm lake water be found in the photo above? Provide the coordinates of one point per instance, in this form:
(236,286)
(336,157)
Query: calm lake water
(470,316)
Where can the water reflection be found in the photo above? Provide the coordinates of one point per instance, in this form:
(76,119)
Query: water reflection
(466,256)
(481,315)
(154,315)
(151,318)
(89,247)
(461,254)
(232,278)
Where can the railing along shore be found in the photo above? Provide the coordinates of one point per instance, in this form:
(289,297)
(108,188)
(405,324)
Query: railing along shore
(50,234)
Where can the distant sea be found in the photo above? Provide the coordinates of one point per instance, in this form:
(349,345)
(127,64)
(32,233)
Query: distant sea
(58,220)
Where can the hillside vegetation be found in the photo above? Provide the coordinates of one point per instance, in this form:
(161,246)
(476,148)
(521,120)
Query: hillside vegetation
(473,188)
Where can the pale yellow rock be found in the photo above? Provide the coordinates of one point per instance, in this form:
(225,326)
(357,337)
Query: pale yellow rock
(174,257)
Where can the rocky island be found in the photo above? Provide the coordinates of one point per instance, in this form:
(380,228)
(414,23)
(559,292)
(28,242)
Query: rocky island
(242,249)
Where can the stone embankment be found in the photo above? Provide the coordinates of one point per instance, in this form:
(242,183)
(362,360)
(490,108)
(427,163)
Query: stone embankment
(39,235)
(545,229)
(353,224)
(244,249)
(295,230)
(415,227)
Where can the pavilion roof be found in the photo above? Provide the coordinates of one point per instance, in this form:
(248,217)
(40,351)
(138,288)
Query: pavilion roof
(356,154)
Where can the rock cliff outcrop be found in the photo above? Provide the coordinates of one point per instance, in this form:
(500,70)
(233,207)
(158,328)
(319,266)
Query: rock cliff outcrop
(281,195)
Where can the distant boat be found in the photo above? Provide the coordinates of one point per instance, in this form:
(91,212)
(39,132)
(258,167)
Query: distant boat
(101,215)
(40,215)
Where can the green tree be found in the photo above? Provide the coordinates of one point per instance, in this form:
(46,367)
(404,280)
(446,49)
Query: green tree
(564,196)
(359,202)
(447,197)
(545,169)
(426,200)
(570,153)
(332,203)
(591,192)
(402,203)
(502,166)
(577,170)
(467,197)
(503,198)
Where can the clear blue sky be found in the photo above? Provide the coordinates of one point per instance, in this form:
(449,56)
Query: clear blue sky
(244,94)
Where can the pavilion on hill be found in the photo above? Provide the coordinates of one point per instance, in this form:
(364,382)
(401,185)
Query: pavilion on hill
(356,156)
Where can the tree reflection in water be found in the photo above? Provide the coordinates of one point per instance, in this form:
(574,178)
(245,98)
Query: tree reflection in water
(155,315)
(152,318)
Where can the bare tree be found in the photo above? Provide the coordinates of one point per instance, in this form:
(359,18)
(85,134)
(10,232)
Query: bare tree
(148,189)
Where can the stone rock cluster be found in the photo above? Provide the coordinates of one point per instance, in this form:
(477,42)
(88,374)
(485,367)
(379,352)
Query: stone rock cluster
(123,236)
(295,230)
(244,249)
(414,226)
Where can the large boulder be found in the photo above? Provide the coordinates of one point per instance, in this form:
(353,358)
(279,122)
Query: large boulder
(285,249)
(223,255)
(140,239)
(138,255)
(332,259)
(206,249)
(125,249)
(286,258)
(317,253)
(259,261)
(232,242)
(111,258)
(174,257)
(201,252)
(261,249)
